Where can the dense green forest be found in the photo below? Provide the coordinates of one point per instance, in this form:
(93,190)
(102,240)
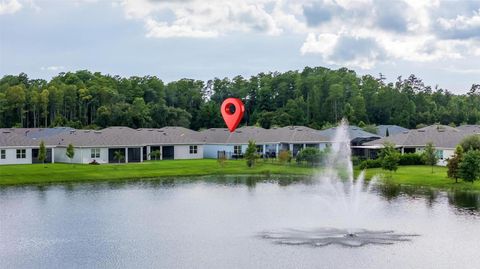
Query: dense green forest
(315,97)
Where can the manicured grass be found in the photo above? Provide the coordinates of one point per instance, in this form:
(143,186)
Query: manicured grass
(423,176)
(52,173)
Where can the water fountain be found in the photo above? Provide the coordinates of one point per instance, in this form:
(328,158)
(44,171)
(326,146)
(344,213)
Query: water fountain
(347,197)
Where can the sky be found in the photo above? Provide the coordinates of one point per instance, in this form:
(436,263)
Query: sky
(438,41)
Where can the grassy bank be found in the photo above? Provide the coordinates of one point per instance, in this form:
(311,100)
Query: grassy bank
(52,173)
(422,176)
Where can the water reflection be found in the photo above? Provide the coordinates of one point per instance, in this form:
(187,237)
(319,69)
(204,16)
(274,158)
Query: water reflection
(465,200)
(468,201)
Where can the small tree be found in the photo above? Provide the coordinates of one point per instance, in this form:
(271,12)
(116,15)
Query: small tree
(471,143)
(118,155)
(390,157)
(42,153)
(470,166)
(251,153)
(156,154)
(285,156)
(387,133)
(453,164)
(430,155)
(70,152)
(222,159)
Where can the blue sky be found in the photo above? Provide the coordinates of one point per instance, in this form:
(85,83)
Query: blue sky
(439,41)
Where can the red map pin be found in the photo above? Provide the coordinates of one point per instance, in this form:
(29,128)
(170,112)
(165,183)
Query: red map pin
(232,112)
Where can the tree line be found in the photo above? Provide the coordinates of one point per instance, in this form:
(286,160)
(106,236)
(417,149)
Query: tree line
(315,97)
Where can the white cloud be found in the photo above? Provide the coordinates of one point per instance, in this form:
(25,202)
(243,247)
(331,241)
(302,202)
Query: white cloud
(9,6)
(461,27)
(414,38)
(348,50)
(197,18)
(163,30)
(52,68)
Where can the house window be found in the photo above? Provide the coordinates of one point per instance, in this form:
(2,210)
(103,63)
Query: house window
(237,150)
(21,153)
(3,154)
(95,153)
(439,154)
(259,149)
(194,149)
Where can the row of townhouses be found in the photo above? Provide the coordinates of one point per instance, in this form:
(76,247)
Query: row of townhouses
(21,145)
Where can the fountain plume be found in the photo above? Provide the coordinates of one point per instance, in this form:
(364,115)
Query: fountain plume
(349,200)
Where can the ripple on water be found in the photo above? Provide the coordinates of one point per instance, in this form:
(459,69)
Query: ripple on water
(333,236)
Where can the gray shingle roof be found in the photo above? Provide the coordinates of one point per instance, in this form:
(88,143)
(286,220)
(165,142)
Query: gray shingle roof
(353,131)
(124,136)
(9,138)
(474,129)
(289,134)
(440,135)
(392,130)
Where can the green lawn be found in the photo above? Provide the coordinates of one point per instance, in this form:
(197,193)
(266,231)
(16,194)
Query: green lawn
(53,173)
(59,172)
(423,176)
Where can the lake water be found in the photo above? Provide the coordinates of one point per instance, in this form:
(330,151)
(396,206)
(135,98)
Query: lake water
(215,223)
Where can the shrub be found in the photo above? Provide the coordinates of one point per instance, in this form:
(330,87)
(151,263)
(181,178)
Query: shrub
(377,163)
(411,159)
(285,156)
(471,143)
(470,166)
(310,155)
(222,159)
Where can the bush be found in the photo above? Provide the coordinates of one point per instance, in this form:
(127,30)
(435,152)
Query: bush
(377,163)
(471,143)
(310,155)
(285,156)
(411,159)
(470,166)
(222,159)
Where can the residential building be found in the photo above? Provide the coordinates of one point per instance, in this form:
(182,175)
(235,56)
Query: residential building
(16,148)
(219,141)
(444,138)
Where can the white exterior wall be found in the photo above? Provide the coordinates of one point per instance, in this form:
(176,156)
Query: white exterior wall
(11,156)
(183,152)
(447,153)
(82,155)
(211,151)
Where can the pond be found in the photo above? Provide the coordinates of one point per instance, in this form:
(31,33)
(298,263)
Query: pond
(215,222)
